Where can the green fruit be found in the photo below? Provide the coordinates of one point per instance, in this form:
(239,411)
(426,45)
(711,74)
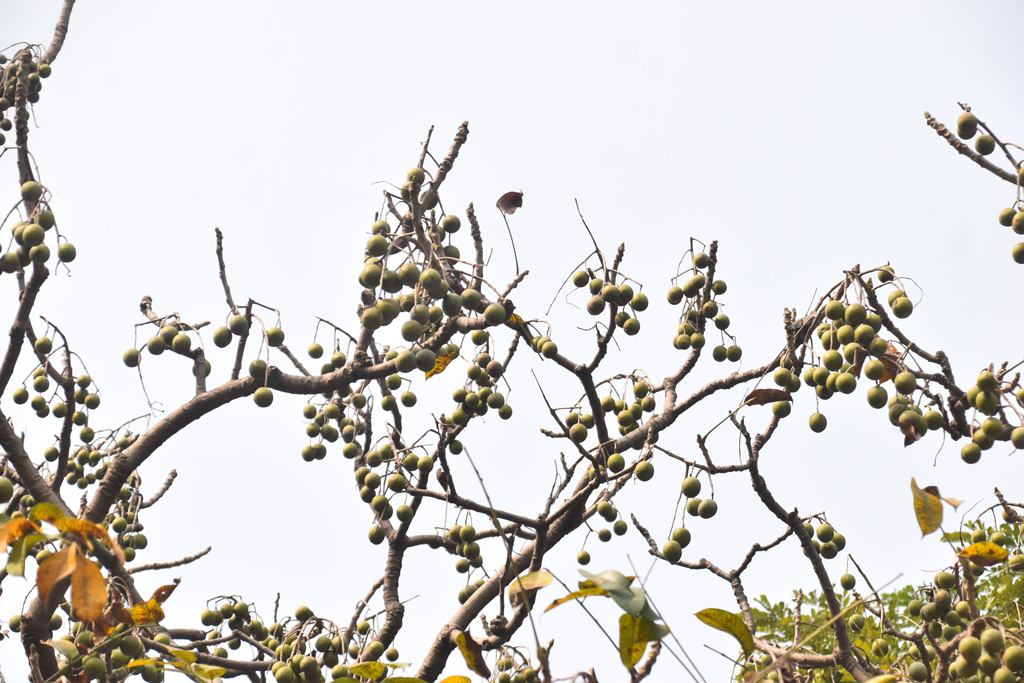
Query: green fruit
(847,581)
(707,509)
(905,383)
(94,668)
(970,648)
(644,471)
(835,310)
(31,191)
(263,397)
(992,640)
(578,433)
(181,343)
(782,408)
(32,235)
(1013,658)
(616,463)
(877,397)
(966,127)
(1018,252)
(1017,437)
(221,337)
(945,580)
(238,325)
(495,314)
(985,144)
(681,535)
(691,487)
(902,307)
(672,551)
(583,557)
(846,383)
(818,423)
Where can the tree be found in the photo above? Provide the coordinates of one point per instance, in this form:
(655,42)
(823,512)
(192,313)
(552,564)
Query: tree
(455,319)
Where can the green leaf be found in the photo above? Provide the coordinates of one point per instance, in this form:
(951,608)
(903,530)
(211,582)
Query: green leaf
(19,552)
(472,653)
(632,601)
(371,670)
(610,580)
(732,624)
(65,647)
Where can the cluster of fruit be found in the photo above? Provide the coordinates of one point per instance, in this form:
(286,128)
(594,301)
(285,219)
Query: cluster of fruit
(30,237)
(609,513)
(301,655)
(1012,217)
(695,507)
(701,306)
(511,671)
(9,76)
(605,294)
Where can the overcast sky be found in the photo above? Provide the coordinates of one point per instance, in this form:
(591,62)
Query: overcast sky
(793,133)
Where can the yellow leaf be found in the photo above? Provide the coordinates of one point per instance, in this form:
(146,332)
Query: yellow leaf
(631,649)
(456,679)
(634,634)
(163,592)
(45,512)
(884,678)
(371,670)
(143,662)
(732,624)
(88,589)
(576,595)
(51,570)
(206,672)
(441,362)
(88,531)
(531,581)
(148,612)
(15,529)
(927,507)
(183,655)
(984,554)
(472,653)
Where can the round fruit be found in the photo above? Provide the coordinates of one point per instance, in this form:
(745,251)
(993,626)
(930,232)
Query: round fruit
(818,422)
(847,581)
(495,314)
(691,487)
(238,325)
(644,471)
(263,397)
(966,127)
(31,191)
(131,358)
(672,551)
(583,557)
(707,508)
(985,144)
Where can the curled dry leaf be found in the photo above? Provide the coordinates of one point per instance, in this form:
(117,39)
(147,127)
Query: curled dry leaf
(509,202)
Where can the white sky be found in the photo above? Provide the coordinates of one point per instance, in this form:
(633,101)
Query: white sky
(791,132)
